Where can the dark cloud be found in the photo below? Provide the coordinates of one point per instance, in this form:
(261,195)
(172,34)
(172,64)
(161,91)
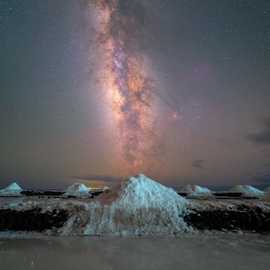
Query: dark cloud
(199,164)
(263,136)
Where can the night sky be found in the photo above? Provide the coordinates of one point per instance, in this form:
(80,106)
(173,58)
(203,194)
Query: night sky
(210,65)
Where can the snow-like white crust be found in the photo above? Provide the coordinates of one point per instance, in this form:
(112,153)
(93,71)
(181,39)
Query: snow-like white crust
(11,190)
(140,207)
(247,191)
(143,207)
(196,191)
(143,192)
(77,190)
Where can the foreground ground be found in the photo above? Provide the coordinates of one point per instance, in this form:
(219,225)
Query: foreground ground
(200,251)
(59,216)
(139,206)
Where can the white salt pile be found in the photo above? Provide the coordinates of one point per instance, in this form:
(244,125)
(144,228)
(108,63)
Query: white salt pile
(77,190)
(105,189)
(267,194)
(247,191)
(11,190)
(140,207)
(143,192)
(196,191)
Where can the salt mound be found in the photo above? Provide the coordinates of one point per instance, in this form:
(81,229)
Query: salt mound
(77,190)
(141,207)
(11,190)
(267,193)
(143,192)
(247,191)
(196,191)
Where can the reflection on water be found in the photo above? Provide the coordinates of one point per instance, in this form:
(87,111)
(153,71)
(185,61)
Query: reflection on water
(220,251)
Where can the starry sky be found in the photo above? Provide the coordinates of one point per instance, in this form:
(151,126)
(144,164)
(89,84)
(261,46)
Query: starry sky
(210,63)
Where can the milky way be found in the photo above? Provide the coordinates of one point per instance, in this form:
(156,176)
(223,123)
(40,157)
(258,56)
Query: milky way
(127,83)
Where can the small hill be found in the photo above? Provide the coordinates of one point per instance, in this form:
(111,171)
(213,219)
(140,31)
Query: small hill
(77,190)
(247,191)
(195,191)
(140,206)
(143,192)
(11,190)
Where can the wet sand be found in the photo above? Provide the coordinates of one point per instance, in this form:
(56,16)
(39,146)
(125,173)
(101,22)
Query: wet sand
(201,251)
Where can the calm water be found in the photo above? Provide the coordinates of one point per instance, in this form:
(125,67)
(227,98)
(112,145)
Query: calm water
(188,252)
